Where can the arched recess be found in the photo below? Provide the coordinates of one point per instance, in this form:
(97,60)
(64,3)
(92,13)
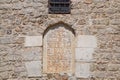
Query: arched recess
(58,49)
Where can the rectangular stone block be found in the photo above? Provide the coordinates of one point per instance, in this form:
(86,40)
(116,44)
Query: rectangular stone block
(6,40)
(82,70)
(31,54)
(33,68)
(84,54)
(17,79)
(12,79)
(33,41)
(5,1)
(86,41)
(115,21)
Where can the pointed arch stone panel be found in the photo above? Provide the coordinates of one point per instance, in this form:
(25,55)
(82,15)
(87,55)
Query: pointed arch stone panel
(58,55)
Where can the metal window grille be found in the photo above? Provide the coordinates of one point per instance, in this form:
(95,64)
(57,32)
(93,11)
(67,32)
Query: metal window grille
(59,6)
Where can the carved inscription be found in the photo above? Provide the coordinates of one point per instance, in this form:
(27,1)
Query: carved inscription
(58,51)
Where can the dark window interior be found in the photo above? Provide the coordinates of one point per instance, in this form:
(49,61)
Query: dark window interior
(59,6)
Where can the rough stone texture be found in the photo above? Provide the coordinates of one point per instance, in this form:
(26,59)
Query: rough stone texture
(20,18)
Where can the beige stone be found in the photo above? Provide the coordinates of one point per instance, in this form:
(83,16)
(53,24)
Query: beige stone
(82,70)
(12,79)
(58,50)
(86,41)
(33,41)
(95,23)
(88,1)
(33,68)
(84,54)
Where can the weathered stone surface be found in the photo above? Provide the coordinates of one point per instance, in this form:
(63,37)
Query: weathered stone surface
(101,67)
(33,41)
(100,22)
(6,40)
(82,70)
(113,67)
(33,68)
(88,1)
(100,74)
(86,41)
(4,75)
(12,79)
(5,1)
(115,21)
(58,57)
(97,22)
(72,78)
(82,22)
(30,54)
(85,54)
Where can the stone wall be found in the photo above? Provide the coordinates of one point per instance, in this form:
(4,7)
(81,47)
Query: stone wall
(22,26)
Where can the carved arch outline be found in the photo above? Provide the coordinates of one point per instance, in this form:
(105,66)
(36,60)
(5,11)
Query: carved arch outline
(71,48)
(52,26)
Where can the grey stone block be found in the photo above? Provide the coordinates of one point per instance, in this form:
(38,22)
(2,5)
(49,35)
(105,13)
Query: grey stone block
(33,68)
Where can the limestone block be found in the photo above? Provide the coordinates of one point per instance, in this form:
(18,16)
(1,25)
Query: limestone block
(33,41)
(5,1)
(37,1)
(88,1)
(86,41)
(75,0)
(101,74)
(113,67)
(6,40)
(33,68)
(100,22)
(31,54)
(84,53)
(28,10)
(17,6)
(12,79)
(18,79)
(72,78)
(115,21)
(4,75)
(82,70)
